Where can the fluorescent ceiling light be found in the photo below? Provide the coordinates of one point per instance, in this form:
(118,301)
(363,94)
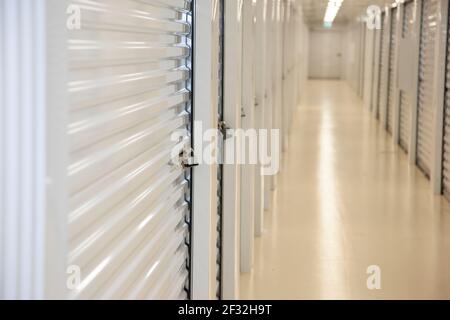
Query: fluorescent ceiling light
(332,10)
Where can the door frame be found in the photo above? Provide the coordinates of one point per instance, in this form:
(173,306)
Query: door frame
(260,106)
(248,171)
(204,217)
(232,172)
(396,106)
(204,223)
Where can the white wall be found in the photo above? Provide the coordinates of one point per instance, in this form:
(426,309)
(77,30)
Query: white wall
(325,53)
(302,54)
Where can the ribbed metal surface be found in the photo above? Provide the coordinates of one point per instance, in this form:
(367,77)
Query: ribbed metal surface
(384,67)
(408,22)
(220,84)
(129,92)
(446,147)
(392,72)
(405,96)
(426,84)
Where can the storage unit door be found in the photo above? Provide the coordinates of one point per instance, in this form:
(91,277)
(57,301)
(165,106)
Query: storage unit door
(376,72)
(446,149)
(362,58)
(426,85)
(130,108)
(392,72)
(405,95)
(384,64)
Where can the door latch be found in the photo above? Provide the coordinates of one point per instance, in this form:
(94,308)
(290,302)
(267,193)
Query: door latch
(188,159)
(224,130)
(243,114)
(185,160)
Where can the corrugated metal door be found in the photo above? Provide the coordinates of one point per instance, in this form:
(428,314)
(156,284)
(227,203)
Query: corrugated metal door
(426,84)
(392,72)
(129,87)
(446,147)
(384,67)
(405,96)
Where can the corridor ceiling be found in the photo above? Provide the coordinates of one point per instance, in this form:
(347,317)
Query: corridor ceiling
(314,10)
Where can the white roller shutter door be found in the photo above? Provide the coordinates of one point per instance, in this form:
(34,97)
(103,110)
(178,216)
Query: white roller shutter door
(392,72)
(426,85)
(446,147)
(129,204)
(384,68)
(405,95)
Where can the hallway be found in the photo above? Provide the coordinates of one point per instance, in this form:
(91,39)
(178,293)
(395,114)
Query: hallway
(348,199)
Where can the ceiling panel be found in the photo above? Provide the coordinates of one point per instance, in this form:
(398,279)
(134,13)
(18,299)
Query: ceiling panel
(314,10)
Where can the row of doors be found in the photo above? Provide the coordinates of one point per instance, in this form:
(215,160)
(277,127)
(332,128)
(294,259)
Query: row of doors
(111,212)
(270,77)
(131,199)
(408,84)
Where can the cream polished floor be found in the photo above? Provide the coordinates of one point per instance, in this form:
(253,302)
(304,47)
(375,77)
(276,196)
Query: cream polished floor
(347,199)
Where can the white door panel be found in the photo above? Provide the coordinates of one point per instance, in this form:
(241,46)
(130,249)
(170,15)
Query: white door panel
(406,95)
(392,89)
(129,91)
(325,55)
(426,85)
